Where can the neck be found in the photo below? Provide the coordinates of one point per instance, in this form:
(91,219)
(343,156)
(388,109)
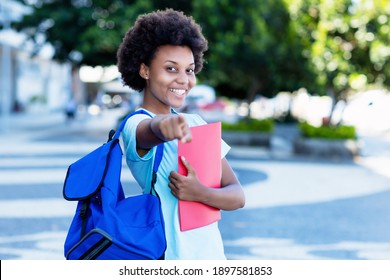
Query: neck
(157,109)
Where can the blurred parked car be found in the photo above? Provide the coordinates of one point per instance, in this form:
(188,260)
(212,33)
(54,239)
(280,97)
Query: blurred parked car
(114,94)
(198,97)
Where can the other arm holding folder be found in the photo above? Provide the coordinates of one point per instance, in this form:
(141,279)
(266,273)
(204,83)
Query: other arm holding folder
(203,189)
(162,128)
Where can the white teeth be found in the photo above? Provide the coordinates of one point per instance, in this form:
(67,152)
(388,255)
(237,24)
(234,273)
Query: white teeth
(178,91)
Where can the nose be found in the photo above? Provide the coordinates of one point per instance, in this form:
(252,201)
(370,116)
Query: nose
(182,78)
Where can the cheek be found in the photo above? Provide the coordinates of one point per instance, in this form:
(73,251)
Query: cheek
(161,81)
(192,81)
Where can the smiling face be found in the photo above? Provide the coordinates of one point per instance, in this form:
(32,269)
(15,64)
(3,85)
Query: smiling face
(169,78)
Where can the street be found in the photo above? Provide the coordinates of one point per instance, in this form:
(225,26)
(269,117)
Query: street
(296,208)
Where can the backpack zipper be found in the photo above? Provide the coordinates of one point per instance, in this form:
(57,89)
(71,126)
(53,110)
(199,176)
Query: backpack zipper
(97,249)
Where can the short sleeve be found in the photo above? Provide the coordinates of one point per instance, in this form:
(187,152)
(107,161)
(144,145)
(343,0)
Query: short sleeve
(130,140)
(225,148)
(194,120)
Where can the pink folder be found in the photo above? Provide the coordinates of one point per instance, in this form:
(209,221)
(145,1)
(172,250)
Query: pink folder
(204,155)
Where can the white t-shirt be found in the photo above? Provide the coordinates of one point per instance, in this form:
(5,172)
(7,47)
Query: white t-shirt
(201,243)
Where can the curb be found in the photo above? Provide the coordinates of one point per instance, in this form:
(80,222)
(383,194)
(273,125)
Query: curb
(342,149)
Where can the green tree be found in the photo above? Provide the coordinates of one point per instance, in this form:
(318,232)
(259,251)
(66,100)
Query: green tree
(253,47)
(82,32)
(86,32)
(370,54)
(348,42)
(181,5)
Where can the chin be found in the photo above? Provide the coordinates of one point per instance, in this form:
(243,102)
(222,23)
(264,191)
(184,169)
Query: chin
(177,105)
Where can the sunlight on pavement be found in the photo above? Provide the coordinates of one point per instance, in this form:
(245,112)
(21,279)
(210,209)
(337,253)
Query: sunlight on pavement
(47,246)
(287,249)
(300,183)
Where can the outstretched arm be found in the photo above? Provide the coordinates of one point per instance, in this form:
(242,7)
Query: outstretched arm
(161,128)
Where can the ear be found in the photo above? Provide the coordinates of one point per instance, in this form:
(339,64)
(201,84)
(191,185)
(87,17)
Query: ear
(144,71)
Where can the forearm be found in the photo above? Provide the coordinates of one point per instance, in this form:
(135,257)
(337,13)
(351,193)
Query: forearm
(162,128)
(146,137)
(230,197)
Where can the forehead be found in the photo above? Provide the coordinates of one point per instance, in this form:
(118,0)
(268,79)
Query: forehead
(177,54)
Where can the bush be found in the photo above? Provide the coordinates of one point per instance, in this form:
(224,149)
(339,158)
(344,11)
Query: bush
(250,125)
(327,131)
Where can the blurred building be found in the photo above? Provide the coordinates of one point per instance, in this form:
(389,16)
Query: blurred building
(28,82)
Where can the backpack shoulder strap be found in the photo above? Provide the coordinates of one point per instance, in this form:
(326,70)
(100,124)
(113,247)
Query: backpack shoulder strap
(123,123)
(157,160)
(160,148)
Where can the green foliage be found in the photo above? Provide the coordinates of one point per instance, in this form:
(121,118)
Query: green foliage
(38,99)
(327,131)
(81,32)
(252,48)
(250,125)
(344,40)
(255,46)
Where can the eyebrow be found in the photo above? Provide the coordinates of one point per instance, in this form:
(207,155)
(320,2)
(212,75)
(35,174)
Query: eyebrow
(174,62)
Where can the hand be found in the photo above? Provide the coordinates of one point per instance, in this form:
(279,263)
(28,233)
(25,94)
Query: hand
(186,187)
(169,127)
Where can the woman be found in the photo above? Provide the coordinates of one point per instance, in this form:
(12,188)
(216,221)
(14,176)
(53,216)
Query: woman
(160,55)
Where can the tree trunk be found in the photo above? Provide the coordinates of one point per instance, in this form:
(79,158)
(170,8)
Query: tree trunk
(251,94)
(331,93)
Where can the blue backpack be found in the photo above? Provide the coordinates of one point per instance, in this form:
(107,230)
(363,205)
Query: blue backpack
(108,225)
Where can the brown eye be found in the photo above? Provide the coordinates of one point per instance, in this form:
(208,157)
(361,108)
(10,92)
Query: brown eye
(171,69)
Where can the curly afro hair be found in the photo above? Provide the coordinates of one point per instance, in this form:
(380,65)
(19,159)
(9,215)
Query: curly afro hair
(167,27)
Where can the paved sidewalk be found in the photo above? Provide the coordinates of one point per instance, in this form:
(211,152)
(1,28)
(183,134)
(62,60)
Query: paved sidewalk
(36,125)
(46,133)
(288,197)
